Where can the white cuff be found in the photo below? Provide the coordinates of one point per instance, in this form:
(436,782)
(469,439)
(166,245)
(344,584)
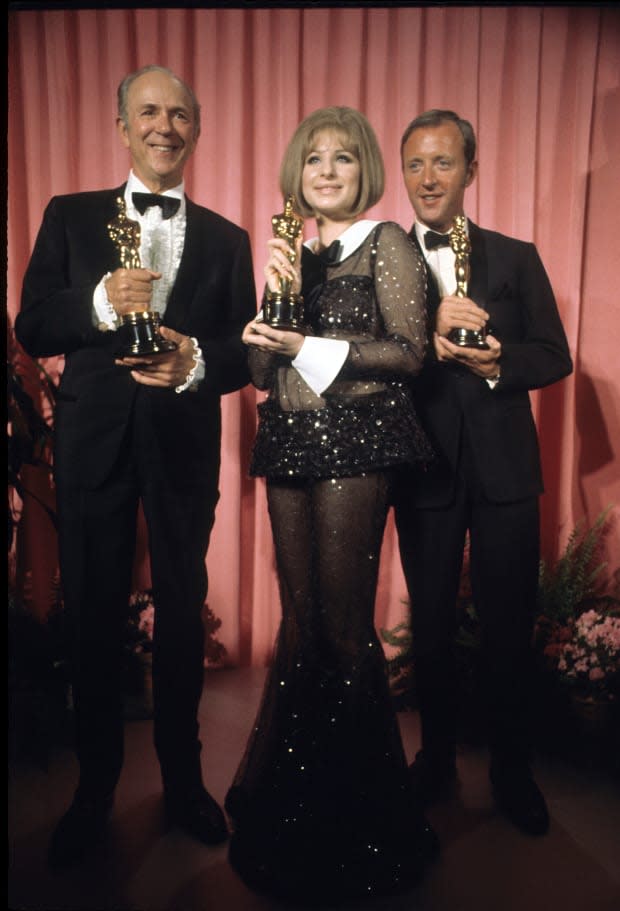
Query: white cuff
(492,381)
(197,372)
(104,315)
(320,361)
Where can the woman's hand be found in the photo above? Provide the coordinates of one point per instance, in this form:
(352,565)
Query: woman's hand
(279,266)
(257,334)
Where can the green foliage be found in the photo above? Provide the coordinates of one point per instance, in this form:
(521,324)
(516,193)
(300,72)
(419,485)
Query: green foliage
(400,665)
(570,585)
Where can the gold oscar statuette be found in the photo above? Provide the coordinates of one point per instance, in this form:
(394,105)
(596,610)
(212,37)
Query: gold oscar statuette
(459,241)
(283,309)
(139,330)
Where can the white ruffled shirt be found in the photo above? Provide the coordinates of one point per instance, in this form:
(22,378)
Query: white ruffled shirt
(161,247)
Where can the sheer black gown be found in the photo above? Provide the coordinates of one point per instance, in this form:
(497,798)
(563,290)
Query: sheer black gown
(321,803)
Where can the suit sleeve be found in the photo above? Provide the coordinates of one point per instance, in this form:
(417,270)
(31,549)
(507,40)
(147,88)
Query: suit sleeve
(539,354)
(56,315)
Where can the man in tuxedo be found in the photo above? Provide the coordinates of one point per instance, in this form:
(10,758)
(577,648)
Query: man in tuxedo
(475,407)
(139,429)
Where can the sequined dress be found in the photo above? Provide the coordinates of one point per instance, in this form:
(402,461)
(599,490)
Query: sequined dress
(365,420)
(321,804)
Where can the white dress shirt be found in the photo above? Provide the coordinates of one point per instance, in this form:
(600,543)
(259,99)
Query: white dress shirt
(161,247)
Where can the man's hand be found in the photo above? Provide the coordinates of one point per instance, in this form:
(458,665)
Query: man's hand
(166,370)
(484,363)
(459,313)
(130,290)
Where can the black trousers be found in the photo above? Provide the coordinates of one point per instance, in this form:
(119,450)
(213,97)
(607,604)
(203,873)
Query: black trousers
(504,558)
(97,547)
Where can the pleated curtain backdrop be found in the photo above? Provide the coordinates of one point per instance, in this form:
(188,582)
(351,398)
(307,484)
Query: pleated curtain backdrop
(541,86)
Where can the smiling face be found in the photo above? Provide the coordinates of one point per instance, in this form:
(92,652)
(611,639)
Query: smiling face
(160,131)
(436,174)
(331,177)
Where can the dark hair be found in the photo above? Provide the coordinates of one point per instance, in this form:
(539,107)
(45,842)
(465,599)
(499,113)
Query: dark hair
(123,92)
(435,118)
(358,137)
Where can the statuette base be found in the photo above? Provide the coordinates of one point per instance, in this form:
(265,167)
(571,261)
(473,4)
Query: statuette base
(468,338)
(284,311)
(139,335)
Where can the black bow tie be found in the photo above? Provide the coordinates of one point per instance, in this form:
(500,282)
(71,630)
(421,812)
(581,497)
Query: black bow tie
(331,254)
(169,205)
(432,240)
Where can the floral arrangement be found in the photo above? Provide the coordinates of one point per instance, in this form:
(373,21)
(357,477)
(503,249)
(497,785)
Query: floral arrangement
(586,653)
(140,622)
(578,626)
(577,633)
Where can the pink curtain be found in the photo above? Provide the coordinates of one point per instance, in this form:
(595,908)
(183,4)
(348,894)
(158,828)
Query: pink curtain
(541,86)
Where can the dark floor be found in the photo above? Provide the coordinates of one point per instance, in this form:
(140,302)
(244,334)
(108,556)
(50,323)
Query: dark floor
(485,865)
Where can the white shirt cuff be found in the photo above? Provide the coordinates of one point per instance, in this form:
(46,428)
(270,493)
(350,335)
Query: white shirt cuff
(320,361)
(104,315)
(197,373)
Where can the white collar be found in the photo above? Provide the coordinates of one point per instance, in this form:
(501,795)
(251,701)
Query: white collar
(350,239)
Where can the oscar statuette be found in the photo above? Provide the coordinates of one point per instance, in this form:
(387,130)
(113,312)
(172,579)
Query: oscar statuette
(283,309)
(459,241)
(139,330)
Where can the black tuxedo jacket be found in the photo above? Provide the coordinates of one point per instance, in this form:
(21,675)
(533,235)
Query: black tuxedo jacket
(212,299)
(508,280)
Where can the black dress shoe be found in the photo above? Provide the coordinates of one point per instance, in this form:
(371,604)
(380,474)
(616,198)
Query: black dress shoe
(79,831)
(432,780)
(198,814)
(519,798)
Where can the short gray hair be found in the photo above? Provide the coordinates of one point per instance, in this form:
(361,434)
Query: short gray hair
(123,92)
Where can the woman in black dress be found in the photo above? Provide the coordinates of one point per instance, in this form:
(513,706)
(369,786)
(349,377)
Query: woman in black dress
(321,803)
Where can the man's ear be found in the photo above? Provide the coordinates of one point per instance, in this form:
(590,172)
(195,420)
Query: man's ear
(122,131)
(472,173)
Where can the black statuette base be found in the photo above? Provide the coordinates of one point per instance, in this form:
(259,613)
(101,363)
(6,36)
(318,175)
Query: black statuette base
(468,338)
(139,335)
(284,312)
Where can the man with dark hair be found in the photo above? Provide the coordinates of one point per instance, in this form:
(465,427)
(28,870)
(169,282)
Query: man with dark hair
(142,428)
(474,404)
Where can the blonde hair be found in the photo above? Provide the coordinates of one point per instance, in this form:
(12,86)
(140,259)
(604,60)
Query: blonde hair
(358,137)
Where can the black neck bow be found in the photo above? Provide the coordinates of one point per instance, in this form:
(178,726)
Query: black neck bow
(143,201)
(331,254)
(432,240)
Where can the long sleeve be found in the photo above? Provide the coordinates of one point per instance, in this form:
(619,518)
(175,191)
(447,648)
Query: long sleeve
(56,314)
(400,287)
(537,354)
